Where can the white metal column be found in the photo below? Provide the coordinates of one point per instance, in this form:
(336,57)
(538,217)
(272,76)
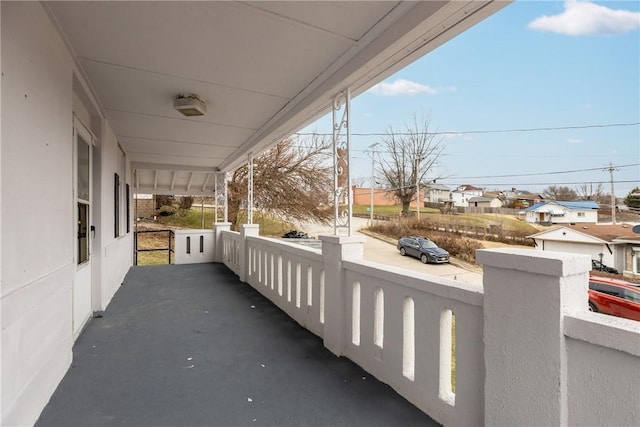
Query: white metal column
(250,188)
(342,197)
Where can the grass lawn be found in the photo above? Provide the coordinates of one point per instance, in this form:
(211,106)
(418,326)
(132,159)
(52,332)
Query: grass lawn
(159,240)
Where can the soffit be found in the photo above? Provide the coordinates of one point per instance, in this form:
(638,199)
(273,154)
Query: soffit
(265,69)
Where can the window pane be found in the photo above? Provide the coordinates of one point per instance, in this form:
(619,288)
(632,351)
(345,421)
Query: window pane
(83,226)
(631,295)
(83,169)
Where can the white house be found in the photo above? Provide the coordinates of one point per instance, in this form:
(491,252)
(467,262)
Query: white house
(485,202)
(100,100)
(437,193)
(557,212)
(461,195)
(616,245)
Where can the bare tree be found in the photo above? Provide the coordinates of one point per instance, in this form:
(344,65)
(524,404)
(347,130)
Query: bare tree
(559,192)
(410,156)
(292,180)
(360,182)
(589,191)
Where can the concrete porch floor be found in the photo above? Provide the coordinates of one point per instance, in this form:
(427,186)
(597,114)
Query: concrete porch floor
(191,345)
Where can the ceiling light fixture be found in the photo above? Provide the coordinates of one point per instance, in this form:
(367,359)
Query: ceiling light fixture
(190,105)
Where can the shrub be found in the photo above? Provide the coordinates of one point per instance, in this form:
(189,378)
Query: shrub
(162,200)
(186,202)
(167,210)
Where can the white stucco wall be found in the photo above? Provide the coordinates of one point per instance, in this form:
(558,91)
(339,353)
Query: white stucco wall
(603,370)
(39,96)
(195,256)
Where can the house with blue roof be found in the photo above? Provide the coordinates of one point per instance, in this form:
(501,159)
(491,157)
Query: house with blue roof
(559,212)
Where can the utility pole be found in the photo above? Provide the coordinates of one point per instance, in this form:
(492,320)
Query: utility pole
(611,169)
(418,186)
(373,157)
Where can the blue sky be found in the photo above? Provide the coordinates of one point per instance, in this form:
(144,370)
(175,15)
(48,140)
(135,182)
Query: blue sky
(534,64)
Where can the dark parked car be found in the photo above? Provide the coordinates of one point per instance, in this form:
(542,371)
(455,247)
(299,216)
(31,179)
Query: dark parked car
(295,234)
(423,249)
(616,297)
(597,265)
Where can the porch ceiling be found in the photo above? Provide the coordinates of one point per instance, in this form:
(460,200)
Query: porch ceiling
(265,69)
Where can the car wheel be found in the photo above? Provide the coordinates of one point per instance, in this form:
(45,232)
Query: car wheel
(592,307)
(424,259)
(403,252)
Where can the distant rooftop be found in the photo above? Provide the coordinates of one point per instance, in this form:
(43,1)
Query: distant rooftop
(572,205)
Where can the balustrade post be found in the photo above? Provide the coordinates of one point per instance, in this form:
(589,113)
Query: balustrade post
(335,250)
(246,230)
(527,293)
(218,228)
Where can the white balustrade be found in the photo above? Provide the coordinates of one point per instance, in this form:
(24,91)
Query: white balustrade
(523,346)
(194,246)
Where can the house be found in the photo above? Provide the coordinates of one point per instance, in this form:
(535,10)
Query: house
(103,100)
(461,195)
(615,245)
(519,199)
(437,193)
(485,202)
(558,212)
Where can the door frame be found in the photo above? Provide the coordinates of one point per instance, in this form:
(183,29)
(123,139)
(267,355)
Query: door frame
(81,292)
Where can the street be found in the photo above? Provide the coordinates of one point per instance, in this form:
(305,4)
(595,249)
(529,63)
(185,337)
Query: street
(382,252)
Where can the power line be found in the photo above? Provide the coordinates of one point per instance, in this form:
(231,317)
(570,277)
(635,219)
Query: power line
(481,131)
(543,173)
(453,183)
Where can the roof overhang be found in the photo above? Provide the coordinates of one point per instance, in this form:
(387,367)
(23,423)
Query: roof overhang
(264,69)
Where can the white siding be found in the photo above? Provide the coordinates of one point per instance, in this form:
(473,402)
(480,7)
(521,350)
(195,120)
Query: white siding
(38,98)
(37,211)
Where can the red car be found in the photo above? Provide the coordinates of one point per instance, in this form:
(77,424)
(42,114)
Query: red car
(615,297)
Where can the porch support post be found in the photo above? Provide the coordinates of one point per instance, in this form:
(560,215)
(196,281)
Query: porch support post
(342,191)
(218,228)
(526,296)
(250,188)
(215,198)
(226,197)
(246,230)
(335,250)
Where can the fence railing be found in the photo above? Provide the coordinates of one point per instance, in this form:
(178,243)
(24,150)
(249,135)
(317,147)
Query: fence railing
(168,248)
(520,349)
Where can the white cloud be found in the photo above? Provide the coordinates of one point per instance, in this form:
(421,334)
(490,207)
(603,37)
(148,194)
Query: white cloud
(574,141)
(403,87)
(581,18)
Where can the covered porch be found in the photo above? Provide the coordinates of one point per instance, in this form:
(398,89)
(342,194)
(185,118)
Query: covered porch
(88,95)
(192,345)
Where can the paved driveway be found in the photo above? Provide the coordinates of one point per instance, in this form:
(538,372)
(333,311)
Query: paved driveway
(385,253)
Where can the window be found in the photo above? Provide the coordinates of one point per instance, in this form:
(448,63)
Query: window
(83,197)
(128,207)
(609,290)
(580,214)
(116,202)
(631,295)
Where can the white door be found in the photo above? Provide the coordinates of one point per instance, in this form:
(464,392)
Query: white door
(83,151)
